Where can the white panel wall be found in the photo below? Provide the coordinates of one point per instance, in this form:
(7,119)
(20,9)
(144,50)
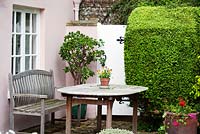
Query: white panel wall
(114,50)
(115,60)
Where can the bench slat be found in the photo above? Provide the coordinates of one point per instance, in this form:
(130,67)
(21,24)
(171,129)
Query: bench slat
(32,93)
(36,107)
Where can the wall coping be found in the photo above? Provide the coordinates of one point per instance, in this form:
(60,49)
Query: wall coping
(92,22)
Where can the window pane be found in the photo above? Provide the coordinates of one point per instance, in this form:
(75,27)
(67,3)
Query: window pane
(34,62)
(27,45)
(34,23)
(17,65)
(34,44)
(18,22)
(12,63)
(27,62)
(18,44)
(27,22)
(12,44)
(13,19)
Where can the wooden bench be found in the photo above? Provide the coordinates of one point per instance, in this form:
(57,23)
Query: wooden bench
(32,93)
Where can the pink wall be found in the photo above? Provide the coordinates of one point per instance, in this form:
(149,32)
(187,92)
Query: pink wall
(5,49)
(87,30)
(92,32)
(54,15)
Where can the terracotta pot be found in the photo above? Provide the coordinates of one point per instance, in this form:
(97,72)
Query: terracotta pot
(189,128)
(105,81)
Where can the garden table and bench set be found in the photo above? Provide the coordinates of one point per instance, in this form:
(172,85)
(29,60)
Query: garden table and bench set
(32,93)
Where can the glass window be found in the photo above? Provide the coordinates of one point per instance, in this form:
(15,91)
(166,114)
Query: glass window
(27,43)
(27,22)
(34,44)
(24,40)
(34,22)
(18,22)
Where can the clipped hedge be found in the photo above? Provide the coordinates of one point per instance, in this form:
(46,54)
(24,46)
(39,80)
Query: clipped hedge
(121,9)
(161,49)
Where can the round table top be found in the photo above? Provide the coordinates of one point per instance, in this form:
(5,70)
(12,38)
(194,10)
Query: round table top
(95,90)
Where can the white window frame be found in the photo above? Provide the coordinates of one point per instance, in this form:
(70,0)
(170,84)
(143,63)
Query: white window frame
(23,34)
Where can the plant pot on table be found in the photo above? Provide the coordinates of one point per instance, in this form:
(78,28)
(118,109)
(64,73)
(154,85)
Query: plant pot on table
(104,81)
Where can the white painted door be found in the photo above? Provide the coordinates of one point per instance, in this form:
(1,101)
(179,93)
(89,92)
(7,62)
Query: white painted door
(115,60)
(114,50)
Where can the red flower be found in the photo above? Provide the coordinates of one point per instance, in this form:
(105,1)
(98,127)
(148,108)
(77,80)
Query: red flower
(175,123)
(182,103)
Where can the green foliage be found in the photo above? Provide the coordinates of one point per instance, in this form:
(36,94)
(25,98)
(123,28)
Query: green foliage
(149,123)
(182,108)
(196,86)
(161,49)
(79,51)
(122,9)
(115,131)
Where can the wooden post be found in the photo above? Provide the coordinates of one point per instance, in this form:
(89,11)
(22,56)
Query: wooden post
(68,114)
(79,115)
(53,118)
(99,113)
(109,113)
(42,117)
(135,107)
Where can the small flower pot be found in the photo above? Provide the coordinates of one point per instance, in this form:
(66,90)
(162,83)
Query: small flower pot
(173,127)
(104,81)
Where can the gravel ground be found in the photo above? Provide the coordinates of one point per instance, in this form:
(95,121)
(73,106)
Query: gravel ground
(87,127)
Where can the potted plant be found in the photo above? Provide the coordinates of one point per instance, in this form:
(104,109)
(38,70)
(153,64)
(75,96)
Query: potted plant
(180,119)
(79,51)
(104,75)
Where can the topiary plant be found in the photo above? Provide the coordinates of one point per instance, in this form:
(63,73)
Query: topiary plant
(121,7)
(79,51)
(196,86)
(115,131)
(160,53)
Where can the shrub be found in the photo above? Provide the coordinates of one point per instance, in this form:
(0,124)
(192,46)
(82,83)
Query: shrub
(122,7)
(161,49)
(80,50)
(196,86)
(115,131)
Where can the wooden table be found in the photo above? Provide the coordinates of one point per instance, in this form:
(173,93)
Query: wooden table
(94,94)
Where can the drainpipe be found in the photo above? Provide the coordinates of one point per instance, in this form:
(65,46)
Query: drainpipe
(76,9)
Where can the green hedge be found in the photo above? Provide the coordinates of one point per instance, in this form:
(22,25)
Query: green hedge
(121,9)
(161,49)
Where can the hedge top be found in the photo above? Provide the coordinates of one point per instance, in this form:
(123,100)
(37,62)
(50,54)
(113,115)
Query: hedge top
(162,17)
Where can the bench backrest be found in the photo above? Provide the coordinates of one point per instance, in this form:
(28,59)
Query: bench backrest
(31,82)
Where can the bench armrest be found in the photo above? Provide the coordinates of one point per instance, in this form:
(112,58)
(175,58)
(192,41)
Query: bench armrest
(31,95)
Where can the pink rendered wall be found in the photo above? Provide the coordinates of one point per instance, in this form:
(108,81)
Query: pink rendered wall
(92,32)
(54,15)
(87,30)
(5,50)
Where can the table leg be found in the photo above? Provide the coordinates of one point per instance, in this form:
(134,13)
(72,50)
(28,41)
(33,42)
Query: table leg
(135,107)
(68,114)
(79,115)
(99,113)
(109,114)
